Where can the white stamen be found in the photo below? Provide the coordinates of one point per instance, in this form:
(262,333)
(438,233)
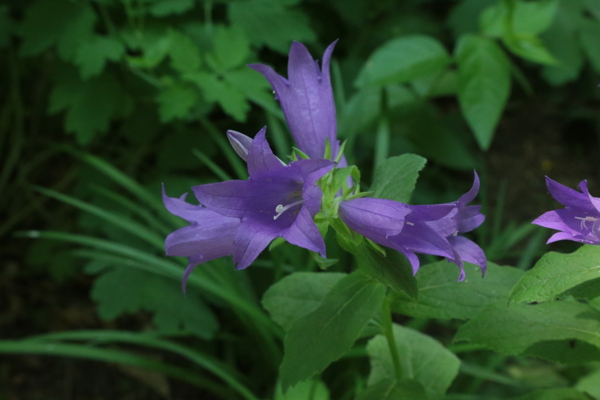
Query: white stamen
(280,209)
(584,219)
(409,223)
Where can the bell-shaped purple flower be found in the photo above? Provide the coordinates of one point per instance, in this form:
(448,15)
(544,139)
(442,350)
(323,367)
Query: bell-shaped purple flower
(277,200)
(579,221)
(306,98)
(210,235)
(426,229)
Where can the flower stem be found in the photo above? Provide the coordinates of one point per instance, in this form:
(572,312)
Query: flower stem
(389,335)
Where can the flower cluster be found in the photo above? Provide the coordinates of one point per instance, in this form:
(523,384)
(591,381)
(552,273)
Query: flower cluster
(241,218)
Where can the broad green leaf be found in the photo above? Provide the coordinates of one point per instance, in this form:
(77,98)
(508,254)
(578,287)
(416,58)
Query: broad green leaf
(590,384)
(396,177)
(62,23)
(402,60)
(175,101)
(554,394)
(512,329)
(529,47)
(163,8)
(231,48)
(297,295)
(6,26)
(184,53)
(570,351)
(444,83)
(483,84)
(312,389)
(393,270)
(219,90)
(442,296)
(590,32)
(593,7)
(556,273)
(89,105)
(93,53)
(323,336)
(271,23)
(391,389)
(422,358)
(529,18)
(122,290)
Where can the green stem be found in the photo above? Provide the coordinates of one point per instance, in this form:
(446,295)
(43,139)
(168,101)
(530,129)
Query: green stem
(389,335)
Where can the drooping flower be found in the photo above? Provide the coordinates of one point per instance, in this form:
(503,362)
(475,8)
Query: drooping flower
(425,229)
(579,221)
(209,236)
(306,98)
(277,200)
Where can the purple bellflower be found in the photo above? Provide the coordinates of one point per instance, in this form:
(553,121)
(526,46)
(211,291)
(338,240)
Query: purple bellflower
(210,235)
(579,221)
(306,98)
(277,200)
(427,229)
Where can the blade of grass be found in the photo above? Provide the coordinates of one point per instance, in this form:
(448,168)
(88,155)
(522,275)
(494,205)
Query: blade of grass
(218,171)
(235,161)
(280,137)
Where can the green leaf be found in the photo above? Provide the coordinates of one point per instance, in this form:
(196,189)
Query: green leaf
(154,44)
(125,290)
(391,389)
(402,60)
(62,23)
(529,47)
(271,23)
(512,329)
(422,358)
(442,296)
(231,48)
(464,16)
(175,101)
(564,351)
(556,273)
(528,18)
(298,294)
(396,177)
(483,84)
(90,105)
(218,89)
(590,384)
(312,389)
(554,394)
(590,32)
(184,53)
(321,337)
(393,270)
(93,53)
(163,8)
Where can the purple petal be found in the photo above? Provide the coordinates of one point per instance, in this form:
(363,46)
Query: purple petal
(226,198)
(469,251)
(240,143)
(250,240)
(261,159)
(569,197)
(593,200)
(471,194)
(182,209)
(211,240)
(372,217)
(304,233)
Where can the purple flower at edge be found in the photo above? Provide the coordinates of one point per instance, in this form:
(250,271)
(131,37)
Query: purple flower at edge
(579,221)
(426,229)
(276,201)
(306,98)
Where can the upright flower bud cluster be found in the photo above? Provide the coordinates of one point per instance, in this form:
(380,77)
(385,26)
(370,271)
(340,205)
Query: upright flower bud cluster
(241,218)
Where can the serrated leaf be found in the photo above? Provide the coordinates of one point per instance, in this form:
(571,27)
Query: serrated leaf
(163,8)
(175,101)
(92,54)
(185,55)
(396,177)
(271,23)
(393,270)
(125,290)
(222,92)
(483,84)
(153,43)
(89,105)
(422,358)
(556,273)
(442,296)
(403,59)
(321,337)
(62,23)
(391,389)
(590,32)
(511,329)
(298,294)
(230,48)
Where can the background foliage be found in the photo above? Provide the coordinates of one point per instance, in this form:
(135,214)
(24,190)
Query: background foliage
(103,100)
